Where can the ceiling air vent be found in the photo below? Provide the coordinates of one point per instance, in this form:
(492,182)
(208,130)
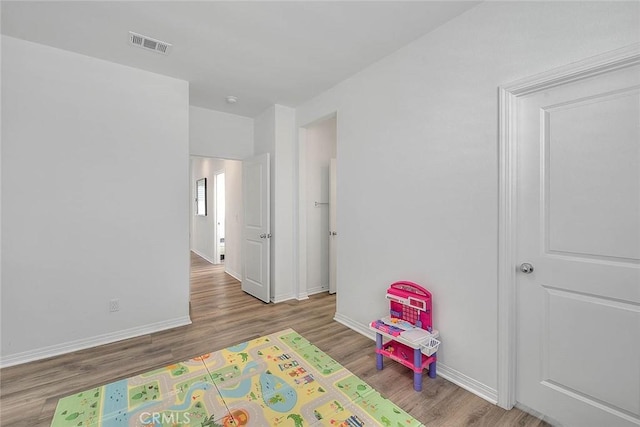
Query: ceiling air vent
(149,43)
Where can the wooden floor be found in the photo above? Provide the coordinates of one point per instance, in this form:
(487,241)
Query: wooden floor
(223,315)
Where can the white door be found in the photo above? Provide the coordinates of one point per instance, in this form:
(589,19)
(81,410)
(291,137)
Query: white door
(333,234)
(256,229)
(578,216)
(219,238)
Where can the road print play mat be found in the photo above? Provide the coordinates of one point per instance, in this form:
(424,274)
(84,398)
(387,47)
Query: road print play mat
(276,380)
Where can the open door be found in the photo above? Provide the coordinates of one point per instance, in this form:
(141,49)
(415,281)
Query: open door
(333,257)
(220,209)
(256,230)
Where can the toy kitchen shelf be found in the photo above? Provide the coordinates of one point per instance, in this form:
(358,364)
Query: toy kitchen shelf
(411,340)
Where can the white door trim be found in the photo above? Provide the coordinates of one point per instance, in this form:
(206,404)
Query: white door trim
(507,236)
(301,273)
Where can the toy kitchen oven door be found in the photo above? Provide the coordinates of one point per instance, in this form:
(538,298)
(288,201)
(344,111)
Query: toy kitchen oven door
(412,303)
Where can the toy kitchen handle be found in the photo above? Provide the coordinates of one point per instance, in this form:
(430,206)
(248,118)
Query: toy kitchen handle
(412,287)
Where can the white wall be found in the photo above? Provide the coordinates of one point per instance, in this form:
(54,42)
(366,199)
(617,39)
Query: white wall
(1,174)
(217,134)
(274,132)
(234,218)
(418,156)
(265,142)
(94,201)
(320,147)
(265,132)
(283,221)
(203,227)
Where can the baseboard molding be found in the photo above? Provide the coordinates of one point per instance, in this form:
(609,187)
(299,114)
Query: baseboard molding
(233,274)
(317,289)
(357,327)
(458,378)
(68,347)
(200,254)
(281,298)
(476,387)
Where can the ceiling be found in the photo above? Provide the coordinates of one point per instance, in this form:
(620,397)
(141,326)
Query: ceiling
(262,52)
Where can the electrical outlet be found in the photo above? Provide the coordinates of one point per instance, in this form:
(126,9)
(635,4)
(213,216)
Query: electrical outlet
(114,305)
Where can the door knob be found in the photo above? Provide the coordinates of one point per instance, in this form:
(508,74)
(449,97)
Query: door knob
(333,233)
(263,236)
(526,268)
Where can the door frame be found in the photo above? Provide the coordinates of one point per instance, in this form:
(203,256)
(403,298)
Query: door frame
(507,195)
(333,224)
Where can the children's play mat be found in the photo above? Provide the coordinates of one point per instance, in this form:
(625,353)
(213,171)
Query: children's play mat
(276,380)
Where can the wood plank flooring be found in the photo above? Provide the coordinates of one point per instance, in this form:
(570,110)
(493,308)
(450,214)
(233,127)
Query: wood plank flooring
(223,315)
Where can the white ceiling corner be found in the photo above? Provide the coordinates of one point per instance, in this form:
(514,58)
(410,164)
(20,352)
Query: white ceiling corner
(263,52)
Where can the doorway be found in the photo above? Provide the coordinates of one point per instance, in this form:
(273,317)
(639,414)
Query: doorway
(568,250)
(217,235)
(317,207)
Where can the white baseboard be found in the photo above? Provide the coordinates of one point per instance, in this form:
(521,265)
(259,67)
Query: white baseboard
(357,327)
(68,347)
(200,254)
(281,298)
(233,274)
(476,387)
(317,290)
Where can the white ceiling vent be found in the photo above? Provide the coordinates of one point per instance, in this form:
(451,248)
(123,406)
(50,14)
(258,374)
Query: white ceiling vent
(149,43)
